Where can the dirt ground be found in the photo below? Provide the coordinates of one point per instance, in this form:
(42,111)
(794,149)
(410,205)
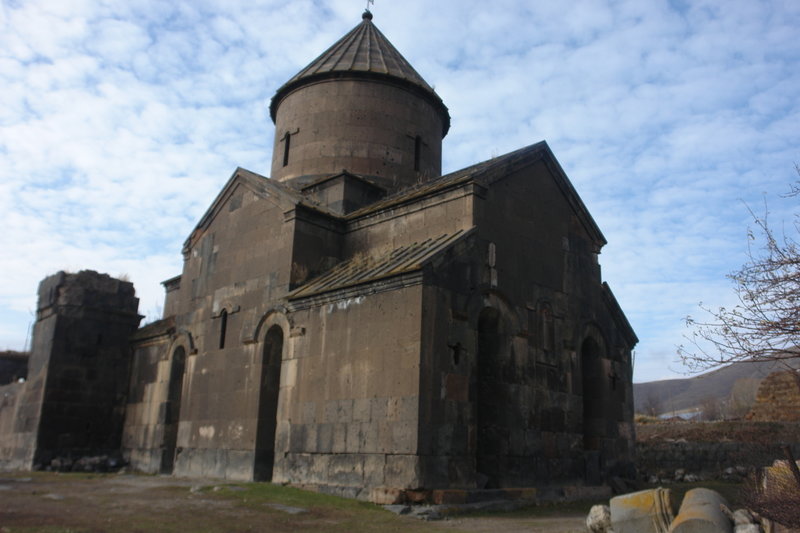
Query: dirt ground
(82,503)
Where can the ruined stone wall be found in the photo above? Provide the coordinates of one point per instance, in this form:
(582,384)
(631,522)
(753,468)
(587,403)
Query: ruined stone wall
(73,403)
(16,446)
(778,398)
(349,407)
(706,458)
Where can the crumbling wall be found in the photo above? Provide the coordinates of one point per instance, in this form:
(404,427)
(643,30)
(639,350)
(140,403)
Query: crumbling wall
(73,402)
(15,446)
(778,398)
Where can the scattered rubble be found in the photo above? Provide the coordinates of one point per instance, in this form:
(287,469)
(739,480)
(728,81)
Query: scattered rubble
(95,463)
(653,511)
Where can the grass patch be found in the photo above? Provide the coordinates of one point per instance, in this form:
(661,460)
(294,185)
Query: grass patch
(271,493)
(542,510)
(43,529)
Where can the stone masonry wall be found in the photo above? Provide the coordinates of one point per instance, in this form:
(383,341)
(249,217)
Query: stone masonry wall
(778,398)
(73,402)
(708,459)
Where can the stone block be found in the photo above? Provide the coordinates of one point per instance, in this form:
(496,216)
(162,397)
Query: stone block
(374,469)
(309,412)
(339,438)
(386,496)
(297,438)
(354,437)
(402,471)
(403,408)
(378,409)
(324,438)
(448,497)
(404,437)
(370,440)
(346,470)
(361,410)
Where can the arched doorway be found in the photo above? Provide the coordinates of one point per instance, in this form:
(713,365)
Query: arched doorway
(268,404)
(172,409)
(490,432)
(594,394)
(595,416)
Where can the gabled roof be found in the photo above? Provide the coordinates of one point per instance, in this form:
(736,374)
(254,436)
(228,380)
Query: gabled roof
(264,187)
(367,268)
(619,316)
(485,174)
(362,52)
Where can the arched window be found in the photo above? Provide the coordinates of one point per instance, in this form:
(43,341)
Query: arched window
(417,151)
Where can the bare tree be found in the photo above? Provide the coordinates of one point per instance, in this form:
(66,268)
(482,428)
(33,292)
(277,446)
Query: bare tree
(765,324)
(711,409)
(652,404)
(742,397)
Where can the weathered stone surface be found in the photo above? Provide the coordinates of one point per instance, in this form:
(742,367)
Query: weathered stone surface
(778,398)
(702,512)
(648,511)
(358,324)
(599,519)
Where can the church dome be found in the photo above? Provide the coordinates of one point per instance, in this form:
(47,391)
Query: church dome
(363,51)
(359,107)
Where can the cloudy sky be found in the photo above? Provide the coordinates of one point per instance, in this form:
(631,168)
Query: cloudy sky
(121,120)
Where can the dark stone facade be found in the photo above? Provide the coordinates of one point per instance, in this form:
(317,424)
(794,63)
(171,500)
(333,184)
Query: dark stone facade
(73,402)
(365,326)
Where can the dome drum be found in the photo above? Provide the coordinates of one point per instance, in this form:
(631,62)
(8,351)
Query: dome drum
(368,126)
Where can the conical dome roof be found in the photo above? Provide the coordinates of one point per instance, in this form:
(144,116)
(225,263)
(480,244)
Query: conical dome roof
(363,52)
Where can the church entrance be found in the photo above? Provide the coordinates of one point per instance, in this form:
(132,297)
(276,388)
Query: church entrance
(268,404)
(594,408)
(172,409)
(490,437)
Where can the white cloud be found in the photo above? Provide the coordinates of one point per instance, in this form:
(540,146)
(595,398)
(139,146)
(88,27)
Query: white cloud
(123,119)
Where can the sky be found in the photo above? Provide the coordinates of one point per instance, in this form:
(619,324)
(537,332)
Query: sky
(121,120)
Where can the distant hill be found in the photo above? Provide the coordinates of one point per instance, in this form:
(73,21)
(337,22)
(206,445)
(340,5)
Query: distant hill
(690,393)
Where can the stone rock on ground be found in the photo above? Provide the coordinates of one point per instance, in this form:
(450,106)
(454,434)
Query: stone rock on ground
(743,517)
(747,528)
(599,519)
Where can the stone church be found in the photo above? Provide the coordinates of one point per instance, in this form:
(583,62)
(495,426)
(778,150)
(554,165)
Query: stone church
(357,322)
